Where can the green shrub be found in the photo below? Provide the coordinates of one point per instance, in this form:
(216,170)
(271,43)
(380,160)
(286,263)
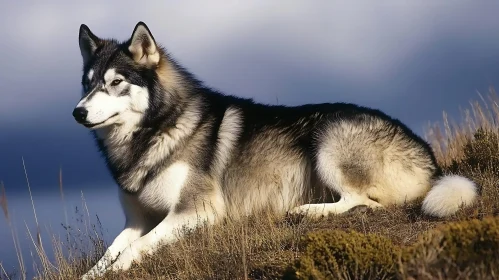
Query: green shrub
(467,247)
(339,254)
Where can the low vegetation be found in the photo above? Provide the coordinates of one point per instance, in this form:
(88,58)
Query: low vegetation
(392,243)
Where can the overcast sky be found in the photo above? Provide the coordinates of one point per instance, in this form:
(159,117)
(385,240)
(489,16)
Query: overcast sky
(411,60)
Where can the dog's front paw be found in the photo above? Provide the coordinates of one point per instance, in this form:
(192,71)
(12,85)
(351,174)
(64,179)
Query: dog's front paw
(99,269)
(91,274)
(126,259)
(95,272)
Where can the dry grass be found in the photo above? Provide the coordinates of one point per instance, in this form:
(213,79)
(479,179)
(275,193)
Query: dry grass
(73,254)
(269,247)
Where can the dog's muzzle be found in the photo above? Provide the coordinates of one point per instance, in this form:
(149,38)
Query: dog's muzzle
(80,114)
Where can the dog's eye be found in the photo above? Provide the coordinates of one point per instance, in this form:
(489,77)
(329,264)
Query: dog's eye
(116,82)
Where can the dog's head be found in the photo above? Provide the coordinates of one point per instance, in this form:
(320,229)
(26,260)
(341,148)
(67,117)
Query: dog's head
(118,78)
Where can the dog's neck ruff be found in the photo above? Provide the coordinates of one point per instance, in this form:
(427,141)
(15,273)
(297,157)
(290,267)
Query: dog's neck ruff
(134,153)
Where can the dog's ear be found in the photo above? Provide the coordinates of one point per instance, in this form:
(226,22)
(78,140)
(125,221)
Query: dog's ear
(143,47)
(88,43)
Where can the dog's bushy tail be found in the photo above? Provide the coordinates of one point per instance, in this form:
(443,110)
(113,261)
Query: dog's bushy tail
(448,194)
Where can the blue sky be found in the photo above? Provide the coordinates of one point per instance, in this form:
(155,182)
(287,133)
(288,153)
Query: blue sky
(412,60)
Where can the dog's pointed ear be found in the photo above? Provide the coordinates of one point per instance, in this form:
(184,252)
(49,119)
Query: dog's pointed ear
(88,43)
(143,47)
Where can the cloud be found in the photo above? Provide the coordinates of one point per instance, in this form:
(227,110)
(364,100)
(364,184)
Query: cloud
(235,46)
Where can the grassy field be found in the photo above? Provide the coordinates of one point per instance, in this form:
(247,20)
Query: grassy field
(392,243)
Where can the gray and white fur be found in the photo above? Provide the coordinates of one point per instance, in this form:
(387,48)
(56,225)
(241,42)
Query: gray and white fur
(184,154)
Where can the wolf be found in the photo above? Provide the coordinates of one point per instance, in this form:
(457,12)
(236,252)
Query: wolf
(184,154)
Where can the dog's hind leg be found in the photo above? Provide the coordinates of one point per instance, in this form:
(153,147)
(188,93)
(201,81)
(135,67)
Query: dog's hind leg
(349,164)
(347,202)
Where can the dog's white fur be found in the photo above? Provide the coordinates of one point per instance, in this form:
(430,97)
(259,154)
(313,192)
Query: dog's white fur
(448,194)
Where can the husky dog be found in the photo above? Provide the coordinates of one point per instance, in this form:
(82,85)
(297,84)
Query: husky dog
(184,154)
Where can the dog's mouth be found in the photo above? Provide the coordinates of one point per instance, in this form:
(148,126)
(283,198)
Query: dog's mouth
(90,125)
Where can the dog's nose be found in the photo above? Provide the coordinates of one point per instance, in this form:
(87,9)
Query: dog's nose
(80,114)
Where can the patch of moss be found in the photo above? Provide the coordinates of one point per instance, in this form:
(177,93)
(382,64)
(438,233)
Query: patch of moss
(452,250)
(469,247)
(339,254)
(468,241)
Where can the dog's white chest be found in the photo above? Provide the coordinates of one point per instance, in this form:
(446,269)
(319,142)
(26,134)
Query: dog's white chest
(163,192)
